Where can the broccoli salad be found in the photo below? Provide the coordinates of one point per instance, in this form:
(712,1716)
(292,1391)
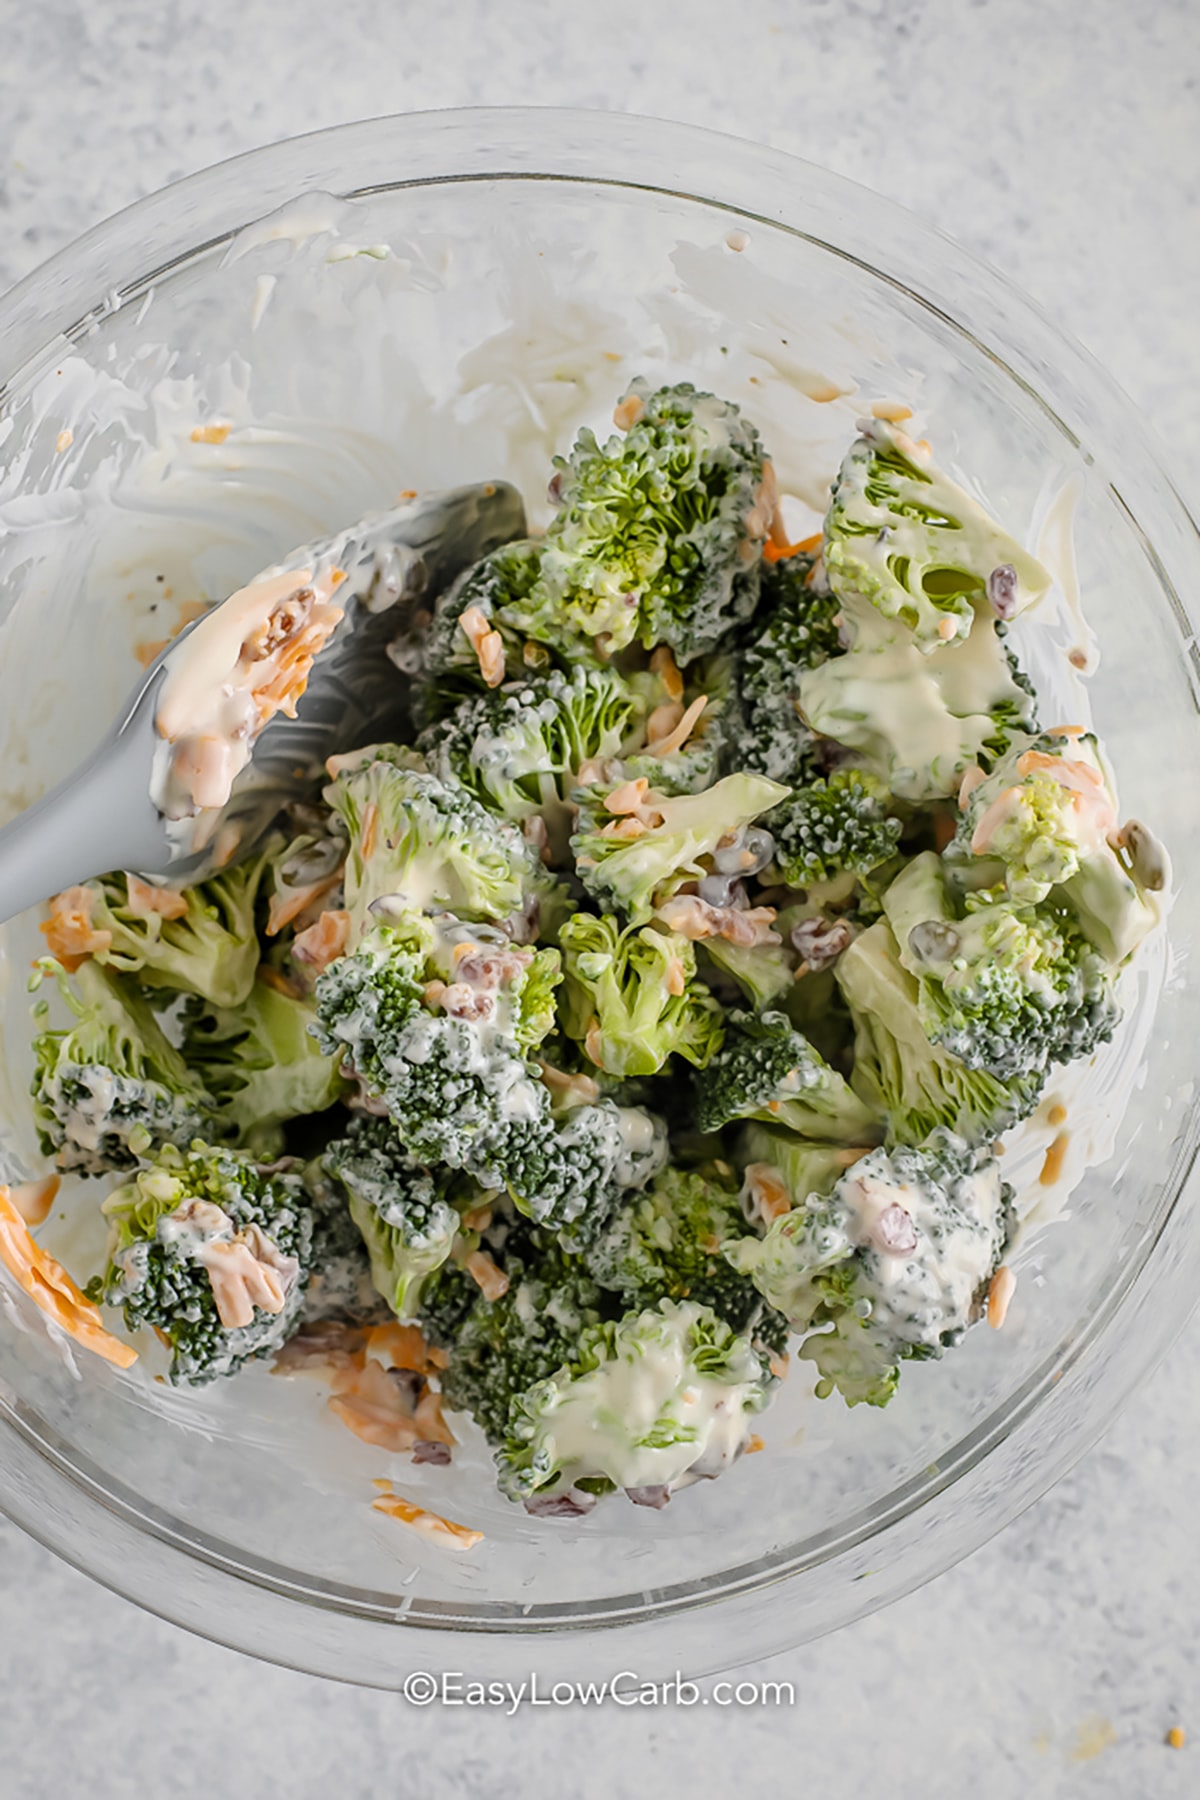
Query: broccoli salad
(647,1013)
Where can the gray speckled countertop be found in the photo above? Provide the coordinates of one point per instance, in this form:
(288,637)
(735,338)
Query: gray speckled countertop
(1061,142)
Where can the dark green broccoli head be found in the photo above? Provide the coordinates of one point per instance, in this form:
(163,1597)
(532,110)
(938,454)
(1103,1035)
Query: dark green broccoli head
(834,827)
(767,1069)
(658,533)
(794,628)
(211,1252)
(500,1348)
(407,1213)
(445,656)
(111,1088)
(668,1241)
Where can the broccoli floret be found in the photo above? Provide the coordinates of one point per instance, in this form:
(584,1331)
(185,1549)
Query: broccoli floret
(896,1260)
(643,1402)
(408,1214)
(1008,989)
(500,1348)
(200,940)
(795,628)
(456,1082)
(691,725)
(631,870)
(111,1087)
(667,1243)
(914,1083)
(1045,820)
(763,972)
(766,1069)
(658,532)
(834,827)
(919,721)
(419,842)
(519,749)
(446,656)
(261,1064)
(212,1253)
(902,536)
(631,998)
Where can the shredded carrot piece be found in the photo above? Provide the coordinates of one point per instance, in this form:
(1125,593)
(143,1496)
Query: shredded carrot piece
(399,1346)
(676,739)
(288,903)
(52,1290)
(774,551)
(68,931)
(210,434)
(33,1199)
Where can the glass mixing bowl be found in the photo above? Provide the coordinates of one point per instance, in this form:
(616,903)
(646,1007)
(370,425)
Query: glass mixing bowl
(439,298)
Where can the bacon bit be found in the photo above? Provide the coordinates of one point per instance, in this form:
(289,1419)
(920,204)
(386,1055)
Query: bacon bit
(663,664)
(630,797)
(753,1445)
(627,412)
(1057,1114)
(675,979)
(146,900)
(893,412)
(398,1346)
(324,1346)
(569,1090)
(287,903)
(1001,1289)
(676,739)
(210,434)
(970,781)
(51,1289)
(629,828)
(64,440)
(320,944)
(430,1524)
(379,1408)
(492,1281)
(766,1192)
(1078,659)
(33,1199)
(1056,1155)
(696,919)
(68,931)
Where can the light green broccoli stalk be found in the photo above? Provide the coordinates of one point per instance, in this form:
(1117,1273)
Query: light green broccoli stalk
(111,1087)
(896,1261)
(667,1243)
(832,828)
(519,748)
(261,1064)
(212,1253)
(201,940)
(795,628)
(915,1084)
(799,1169)
(1011,990)
(902,536)
(630,859)
(408,1215)
(630,996)
(1046,822)
(642,1404)
(767,1070)
(658,534)
(421,843)
(763,972)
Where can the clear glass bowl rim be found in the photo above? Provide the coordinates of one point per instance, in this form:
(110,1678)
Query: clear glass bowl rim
(1008,1461)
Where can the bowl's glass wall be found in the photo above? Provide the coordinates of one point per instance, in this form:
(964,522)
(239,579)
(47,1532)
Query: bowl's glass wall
(504,313)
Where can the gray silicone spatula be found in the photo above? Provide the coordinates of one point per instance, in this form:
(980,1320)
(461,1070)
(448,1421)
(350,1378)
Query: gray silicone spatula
(105,815)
